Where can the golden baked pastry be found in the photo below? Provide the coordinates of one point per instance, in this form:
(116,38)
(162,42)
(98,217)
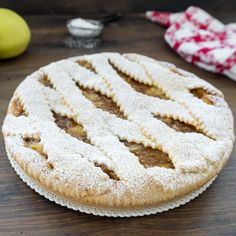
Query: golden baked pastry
(118,131)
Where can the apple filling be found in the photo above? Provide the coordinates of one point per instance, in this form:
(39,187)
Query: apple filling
(71,127)
(103,102)
(86,65)
(202,94)
(105,169)
(148,156)
(178,125)
(99,100)
(45,81)
(140,87)
(17,108)
(34,143)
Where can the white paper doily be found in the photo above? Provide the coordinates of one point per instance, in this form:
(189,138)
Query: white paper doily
(106,212)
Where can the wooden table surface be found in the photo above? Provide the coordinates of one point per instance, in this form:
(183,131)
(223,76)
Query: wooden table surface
(22,211)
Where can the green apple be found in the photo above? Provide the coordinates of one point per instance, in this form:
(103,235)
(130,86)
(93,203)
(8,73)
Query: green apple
(14,34)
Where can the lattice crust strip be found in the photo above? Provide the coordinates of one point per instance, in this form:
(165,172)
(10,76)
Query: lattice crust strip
(65,139)
(211,123)
(123,129)
(162,107)
(124,95)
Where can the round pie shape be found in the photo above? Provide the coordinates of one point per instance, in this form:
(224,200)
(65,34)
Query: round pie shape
(118,131)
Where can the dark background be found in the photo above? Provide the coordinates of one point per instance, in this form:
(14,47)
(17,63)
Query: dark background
(30,7)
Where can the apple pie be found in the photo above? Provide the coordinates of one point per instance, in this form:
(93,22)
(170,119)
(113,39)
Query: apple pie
(120,131)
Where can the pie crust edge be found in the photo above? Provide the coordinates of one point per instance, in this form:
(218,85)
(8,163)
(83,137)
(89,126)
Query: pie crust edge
(127,201)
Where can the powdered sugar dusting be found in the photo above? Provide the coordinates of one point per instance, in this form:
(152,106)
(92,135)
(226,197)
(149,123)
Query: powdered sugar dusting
(194,155)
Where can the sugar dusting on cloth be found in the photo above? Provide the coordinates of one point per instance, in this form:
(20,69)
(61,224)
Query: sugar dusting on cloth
(200,39)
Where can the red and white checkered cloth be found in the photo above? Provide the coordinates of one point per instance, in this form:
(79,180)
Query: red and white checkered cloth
(200,39)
